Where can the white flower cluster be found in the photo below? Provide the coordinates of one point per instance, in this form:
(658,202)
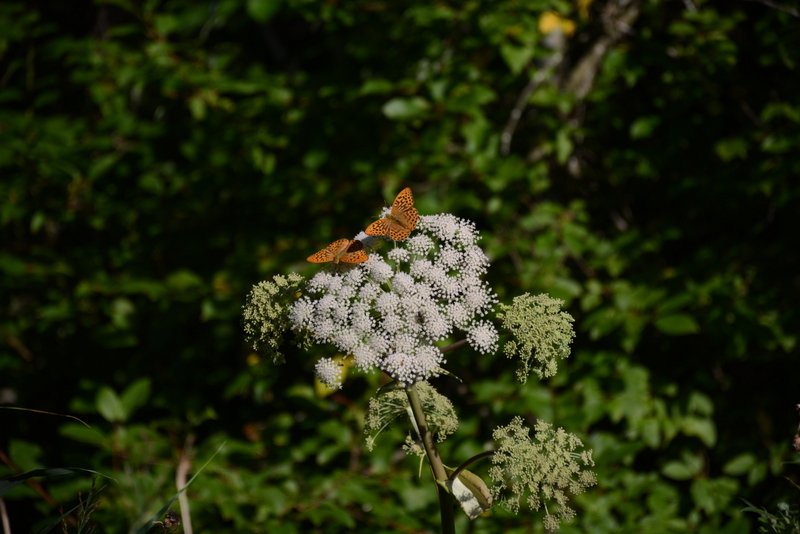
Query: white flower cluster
(390,312)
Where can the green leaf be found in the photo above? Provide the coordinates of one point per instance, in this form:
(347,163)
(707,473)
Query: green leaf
(184,280)
(263,10)
(405,108)
(684,469)
(564,146)
(110,406)
(135,396)
(92,436)
(24,454)
(677,324)
(643,127)
(713,495)
(376,86)
(732,148)
(701,428)
(740,464)
(516,57)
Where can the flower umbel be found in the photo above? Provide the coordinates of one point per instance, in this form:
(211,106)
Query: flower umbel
(390,311)
(266,313)
(386,407)
(542,333)
(542,470)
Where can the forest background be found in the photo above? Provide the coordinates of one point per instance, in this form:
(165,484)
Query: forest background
(636,158)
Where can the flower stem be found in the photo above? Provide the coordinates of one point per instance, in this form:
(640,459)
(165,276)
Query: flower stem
(453,346)
(479,456)
(437,467)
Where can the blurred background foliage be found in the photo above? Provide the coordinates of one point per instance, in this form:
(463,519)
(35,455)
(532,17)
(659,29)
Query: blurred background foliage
(636,158)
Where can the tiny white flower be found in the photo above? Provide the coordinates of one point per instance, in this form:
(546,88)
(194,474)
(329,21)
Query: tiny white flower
(378,343)
(401,366)
(392,323)
(458,315)
(369,292)
(324,330)
(346,341)
(449,287)
(398,255)
(449,257)
(379,270)
(420,244)
(420,269)
(354,277)
(361,323)
(329,372)
(483,337)
(301,313)
(365,357)
(327,303)
(387,303)
(403,284)
(477,299)
(318,282)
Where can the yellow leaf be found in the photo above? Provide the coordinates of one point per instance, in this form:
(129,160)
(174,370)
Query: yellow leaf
(551,21)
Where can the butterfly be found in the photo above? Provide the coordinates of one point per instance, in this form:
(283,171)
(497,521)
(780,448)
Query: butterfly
(401,219)
(341,250)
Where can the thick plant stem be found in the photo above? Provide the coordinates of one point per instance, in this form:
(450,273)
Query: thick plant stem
(437,467)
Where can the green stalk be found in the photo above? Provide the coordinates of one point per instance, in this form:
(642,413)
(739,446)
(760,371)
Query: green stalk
(437,467)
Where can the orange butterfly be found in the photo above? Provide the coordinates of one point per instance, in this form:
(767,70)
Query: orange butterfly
(341,250)
(400,221)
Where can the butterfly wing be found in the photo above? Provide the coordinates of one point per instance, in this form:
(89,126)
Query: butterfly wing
(402,220)
(380,227)
(354,253)
(404,212)
(330,252)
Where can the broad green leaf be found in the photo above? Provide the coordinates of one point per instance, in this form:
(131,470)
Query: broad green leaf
(376,86)
(516,57)
(110,406)
(740,464)
(135,396)
(677,324)
(405,108)
(687,467)
(263,10)
(564,146)
(24,454)
(712,495)
(83,434)
(644,126)
(701,428)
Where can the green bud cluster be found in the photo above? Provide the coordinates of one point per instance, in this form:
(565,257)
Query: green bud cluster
(386,407)
(266,313)
(542,472)
(541,332)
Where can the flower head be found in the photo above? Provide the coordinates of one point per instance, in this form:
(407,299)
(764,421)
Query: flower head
(329,372)
(540,471)
(266,313)
(386,407)
(541,332)
(390,311)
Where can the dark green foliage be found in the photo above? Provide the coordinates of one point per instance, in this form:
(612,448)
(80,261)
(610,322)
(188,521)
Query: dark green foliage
(157,159)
